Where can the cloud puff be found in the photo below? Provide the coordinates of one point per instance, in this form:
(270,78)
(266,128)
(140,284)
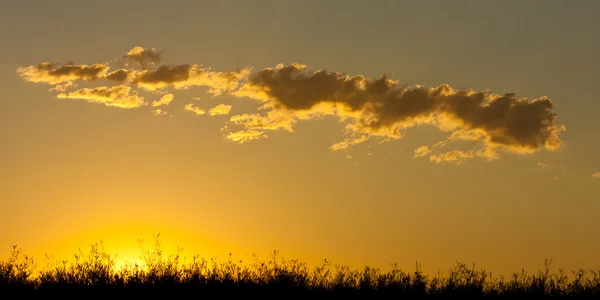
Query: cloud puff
(220,110)
(48,72)
(597,175)
(194,109)
(382,108)
(142,56)
(119,96)
(164,100)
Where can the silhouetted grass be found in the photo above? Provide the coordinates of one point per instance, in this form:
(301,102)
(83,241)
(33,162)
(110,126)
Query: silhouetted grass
(95,275)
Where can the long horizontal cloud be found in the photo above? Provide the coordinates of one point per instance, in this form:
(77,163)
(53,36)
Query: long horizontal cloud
(119,96)
(371,108)
(185,76)
(219,110)
(244,136)
(177,76)
(49,72)
(382,108)
(181,76)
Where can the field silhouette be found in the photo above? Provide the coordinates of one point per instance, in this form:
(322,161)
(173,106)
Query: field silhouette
(94,275)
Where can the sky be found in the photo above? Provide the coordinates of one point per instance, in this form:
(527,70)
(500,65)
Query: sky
(362,132)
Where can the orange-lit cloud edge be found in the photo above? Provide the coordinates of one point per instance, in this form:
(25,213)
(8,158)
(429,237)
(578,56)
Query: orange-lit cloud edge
(371,108)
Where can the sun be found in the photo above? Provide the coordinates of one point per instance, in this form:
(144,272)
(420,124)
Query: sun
(128,258)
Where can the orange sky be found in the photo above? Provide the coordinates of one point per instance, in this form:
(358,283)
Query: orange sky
(230,127)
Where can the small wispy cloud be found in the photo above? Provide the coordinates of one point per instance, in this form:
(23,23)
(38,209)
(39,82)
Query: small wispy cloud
(596,175)
(164,100)
(455,156)
(246,136)
(545,165)
(119,96)
(159,112)
(48,72)
(219,110)
(194,109)
(422,151)
(346,143)
(63,87)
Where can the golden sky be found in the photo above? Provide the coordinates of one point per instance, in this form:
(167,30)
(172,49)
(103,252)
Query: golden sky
(398,131)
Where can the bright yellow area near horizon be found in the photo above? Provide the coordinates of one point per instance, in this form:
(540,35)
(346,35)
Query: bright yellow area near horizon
(122,242)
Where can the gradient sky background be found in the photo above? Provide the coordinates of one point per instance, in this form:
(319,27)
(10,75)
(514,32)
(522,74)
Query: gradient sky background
(72,173)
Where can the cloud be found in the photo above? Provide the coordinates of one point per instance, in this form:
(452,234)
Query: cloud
(545,165)
(348,142)
(186,76)
(118,96)
(243,136)
(194,109)
(282,119)
(159,112)
(220,110)
(177,76)
(142,56)
(120,75)
(383,109)
(370,108)
(597,175)
(455,156)
(48,72)
(63,87)
(164,100)
(274,120)
(422,151)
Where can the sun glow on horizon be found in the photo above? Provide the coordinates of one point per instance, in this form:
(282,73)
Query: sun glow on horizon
(128,245)
(127,258)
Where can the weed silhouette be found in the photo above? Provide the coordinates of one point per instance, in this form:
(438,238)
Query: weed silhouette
(94,275)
